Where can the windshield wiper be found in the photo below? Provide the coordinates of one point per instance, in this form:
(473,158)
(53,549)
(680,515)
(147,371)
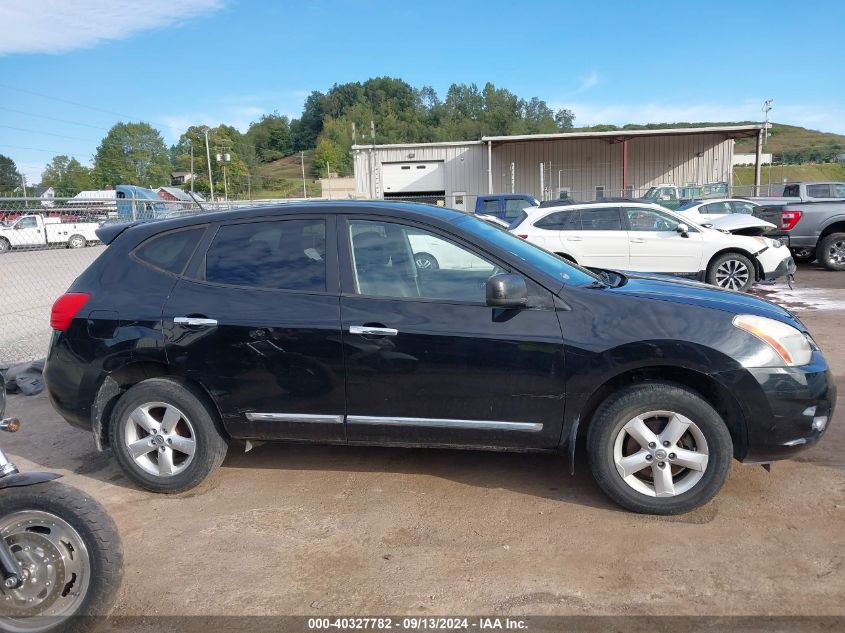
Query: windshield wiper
(597,284)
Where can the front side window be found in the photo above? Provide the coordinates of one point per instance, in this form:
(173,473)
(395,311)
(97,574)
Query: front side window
(601,219)
(171,251)
(279,255)
(643,219)
(396,260)
(491,206)
(569,220)
(28,223)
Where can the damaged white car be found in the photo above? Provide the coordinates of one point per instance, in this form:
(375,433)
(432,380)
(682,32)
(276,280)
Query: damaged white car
(726,214)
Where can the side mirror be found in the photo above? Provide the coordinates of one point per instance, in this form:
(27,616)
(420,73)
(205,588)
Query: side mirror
(507,290)
(683,229)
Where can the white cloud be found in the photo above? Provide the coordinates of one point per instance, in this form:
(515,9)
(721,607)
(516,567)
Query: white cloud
(814,116)
(58,26)
(588,82)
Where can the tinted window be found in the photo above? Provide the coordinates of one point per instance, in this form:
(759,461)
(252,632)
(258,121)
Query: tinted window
(491,206)
(170,251)
(561,221)
(282,254)
(513,207)
(742,207)
(716,208)
(601,219)
(395,260)
(643,219)
(818,191)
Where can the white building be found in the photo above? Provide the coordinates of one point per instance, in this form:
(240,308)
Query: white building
(582,165)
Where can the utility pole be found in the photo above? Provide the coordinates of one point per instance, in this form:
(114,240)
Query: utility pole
(302,162)
(542,182)
(23,184)
(767,106)
(208,158)
(329,178)
(225,158)
(192,166)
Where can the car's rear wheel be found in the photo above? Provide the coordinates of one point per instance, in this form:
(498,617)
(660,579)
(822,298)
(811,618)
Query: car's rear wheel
(165,435)
(731,271)
(659,448)
(77,241)
(831,251)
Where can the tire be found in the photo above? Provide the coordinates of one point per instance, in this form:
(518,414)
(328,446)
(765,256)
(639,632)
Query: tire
(77,241)
(731,271)
(424,261)
(831,251)
(80,521)
(706,442)
(174,459)
(5,246)
(803,255)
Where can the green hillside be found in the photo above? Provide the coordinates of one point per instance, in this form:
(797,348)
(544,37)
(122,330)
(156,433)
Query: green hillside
(797,142)
(781,173)
(282,178)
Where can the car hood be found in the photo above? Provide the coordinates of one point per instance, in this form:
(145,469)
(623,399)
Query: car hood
(740,222)
(676,289)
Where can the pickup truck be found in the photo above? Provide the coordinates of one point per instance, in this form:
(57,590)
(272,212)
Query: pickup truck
(804,192)
(504,206)
(815,230)
(35,230)
(673,196)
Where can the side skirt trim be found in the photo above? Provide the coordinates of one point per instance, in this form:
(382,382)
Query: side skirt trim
(486,425)
(294,417)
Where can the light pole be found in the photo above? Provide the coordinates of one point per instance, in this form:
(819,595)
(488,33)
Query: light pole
(225,158)
(208,158)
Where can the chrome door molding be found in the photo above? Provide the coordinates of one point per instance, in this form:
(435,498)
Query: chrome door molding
(253,416)
(446,423)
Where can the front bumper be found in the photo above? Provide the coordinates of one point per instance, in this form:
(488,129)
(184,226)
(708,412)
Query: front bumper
(786,409)
(785,266)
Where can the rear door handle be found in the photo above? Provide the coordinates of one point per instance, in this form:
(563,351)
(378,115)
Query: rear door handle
(195,321)
(573,239)
(637,240)
(375,331)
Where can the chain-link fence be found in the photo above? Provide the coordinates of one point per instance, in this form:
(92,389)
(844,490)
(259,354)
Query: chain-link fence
(46,243)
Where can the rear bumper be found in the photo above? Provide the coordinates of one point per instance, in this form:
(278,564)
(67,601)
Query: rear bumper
(786,409)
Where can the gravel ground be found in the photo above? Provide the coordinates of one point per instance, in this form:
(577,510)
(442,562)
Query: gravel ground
(317,530)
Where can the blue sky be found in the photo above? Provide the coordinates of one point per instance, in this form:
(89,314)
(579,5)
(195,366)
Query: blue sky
(91,63)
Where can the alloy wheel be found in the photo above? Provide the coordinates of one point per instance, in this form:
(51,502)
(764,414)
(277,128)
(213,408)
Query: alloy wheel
(660,453)
(55,566)
(732,274)
(160,439)
(836,252)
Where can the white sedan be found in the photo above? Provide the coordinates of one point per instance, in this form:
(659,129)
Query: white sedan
(649,238)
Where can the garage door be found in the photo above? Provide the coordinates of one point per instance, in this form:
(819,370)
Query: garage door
(413,177)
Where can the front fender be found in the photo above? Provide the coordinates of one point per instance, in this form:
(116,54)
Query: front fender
(18,480)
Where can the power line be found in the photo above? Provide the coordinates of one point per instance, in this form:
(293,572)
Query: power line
(52,118)
(68,101)
(23,129)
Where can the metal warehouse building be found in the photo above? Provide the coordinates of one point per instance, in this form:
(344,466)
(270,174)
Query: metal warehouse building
(581,165)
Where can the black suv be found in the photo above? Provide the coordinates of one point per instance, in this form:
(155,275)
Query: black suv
(312,323)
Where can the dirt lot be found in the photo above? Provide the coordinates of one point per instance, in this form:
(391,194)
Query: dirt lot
(317,530)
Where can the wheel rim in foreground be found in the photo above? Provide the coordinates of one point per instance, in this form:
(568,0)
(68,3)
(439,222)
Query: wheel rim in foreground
(56,570)
(836,252)
(423,263)
(160,439)
(732,274)
(660,453)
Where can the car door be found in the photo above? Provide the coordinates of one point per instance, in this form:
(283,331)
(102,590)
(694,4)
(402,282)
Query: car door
(256,321)
(554,230)
(657,246)
(602,240)
(427,361)
(28,231)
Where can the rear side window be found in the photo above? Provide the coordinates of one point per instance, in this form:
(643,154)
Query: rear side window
(170,251)
(514,206)
(280,255)
(818,191)
(569,220)
(601,219)
(491,206)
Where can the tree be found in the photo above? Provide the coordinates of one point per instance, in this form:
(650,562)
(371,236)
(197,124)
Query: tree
(67,176)
(223,139)
(132,154)
(565,119)
(10,177)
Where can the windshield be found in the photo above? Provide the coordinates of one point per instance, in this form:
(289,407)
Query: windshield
(535,256)
(651,193)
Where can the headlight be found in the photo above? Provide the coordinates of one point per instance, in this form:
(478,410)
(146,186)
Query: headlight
(773,243)
(792,345)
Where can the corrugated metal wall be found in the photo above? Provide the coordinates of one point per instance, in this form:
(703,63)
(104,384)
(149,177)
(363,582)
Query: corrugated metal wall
(579,165)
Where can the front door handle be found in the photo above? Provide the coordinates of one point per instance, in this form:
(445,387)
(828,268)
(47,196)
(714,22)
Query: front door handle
(373,331)
(573,239)
(195,321)
(637,240)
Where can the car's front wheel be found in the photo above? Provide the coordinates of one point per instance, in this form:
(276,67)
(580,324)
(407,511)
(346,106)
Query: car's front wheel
(731,271)
(165,435)
(659,448)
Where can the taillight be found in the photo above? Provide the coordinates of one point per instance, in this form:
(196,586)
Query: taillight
(66,308)
(522,237)
(788,219)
